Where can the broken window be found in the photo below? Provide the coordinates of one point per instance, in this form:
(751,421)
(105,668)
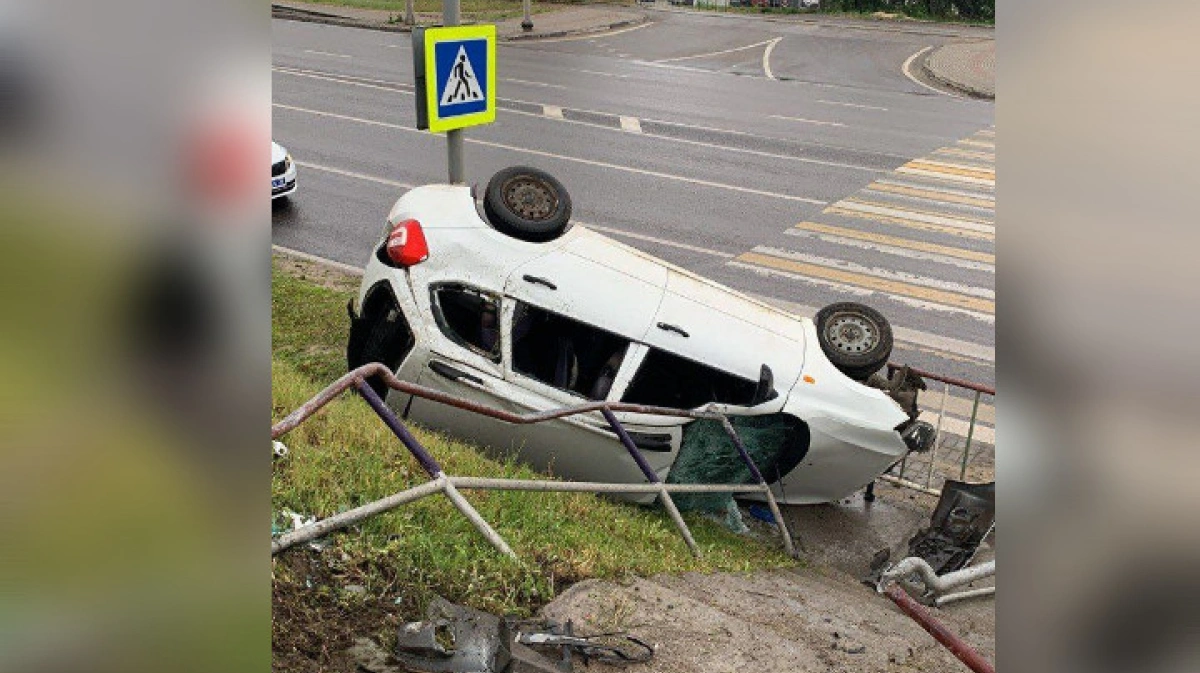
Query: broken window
(565,353)
(667,380)
(468,317)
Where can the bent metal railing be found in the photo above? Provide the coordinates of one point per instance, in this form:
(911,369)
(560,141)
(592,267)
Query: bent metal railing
(902,478)
(440,482)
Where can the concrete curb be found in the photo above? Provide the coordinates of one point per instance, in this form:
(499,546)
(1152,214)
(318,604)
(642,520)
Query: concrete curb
(532,37)
(309,16)
(908,26)
(950,83)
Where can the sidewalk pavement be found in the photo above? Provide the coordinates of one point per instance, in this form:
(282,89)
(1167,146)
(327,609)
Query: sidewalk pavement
(969,67)
(575,20)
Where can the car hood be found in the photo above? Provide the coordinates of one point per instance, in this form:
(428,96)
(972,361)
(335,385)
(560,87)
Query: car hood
(277,152)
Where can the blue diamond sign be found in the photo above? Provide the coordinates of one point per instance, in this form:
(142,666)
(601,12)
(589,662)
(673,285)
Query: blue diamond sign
(456,76)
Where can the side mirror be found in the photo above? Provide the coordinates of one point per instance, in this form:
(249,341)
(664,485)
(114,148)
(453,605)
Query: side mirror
(766,387)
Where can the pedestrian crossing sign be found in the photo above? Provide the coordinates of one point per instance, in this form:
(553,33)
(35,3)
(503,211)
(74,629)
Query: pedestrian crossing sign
(456,76)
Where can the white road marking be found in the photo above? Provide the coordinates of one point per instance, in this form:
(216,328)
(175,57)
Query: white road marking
(855,105)
(878,272)
(602,74)
(893,250)
(864,292)
(806,121)
(561,157)
(338,80)
(352,174)
(631,124)
(908,73)
(915,216)
(940,190)
(946,177)
(522,81)
(673,66)
(715,53)
(548,115)
(767,57)
(326,53)
(552,111)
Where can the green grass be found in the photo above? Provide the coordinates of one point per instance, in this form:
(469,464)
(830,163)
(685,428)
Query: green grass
(345,456)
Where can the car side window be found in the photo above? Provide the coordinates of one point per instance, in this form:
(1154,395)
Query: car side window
(667,380)
(565,353)
(469,317)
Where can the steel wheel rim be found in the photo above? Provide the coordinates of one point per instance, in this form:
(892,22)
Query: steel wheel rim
(530,198)
(852,334)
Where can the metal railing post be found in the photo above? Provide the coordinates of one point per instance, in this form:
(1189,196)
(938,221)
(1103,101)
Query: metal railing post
(937,434)
(430,465)
(663,496)
(766,488)
(962,474)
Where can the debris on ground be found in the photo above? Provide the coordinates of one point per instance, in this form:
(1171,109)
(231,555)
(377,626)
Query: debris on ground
(964,516)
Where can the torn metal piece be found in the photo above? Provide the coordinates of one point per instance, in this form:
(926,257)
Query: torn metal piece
(608,648)
(455,639)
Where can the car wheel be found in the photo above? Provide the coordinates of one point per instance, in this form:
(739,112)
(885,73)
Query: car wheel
(857,339)
(527,204)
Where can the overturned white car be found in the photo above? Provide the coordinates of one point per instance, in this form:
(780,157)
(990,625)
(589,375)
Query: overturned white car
(516,309)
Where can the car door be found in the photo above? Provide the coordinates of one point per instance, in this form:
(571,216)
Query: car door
(583,308)
(464,360)
(709,325)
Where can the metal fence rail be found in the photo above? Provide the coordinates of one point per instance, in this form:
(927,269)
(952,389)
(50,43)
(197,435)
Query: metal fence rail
(901,474)
(448,485)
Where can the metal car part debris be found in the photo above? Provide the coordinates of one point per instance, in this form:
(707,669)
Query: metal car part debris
(455,639)
(964,516)
(616,649)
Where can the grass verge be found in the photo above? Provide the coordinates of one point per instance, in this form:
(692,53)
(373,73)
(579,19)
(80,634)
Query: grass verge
(381,572)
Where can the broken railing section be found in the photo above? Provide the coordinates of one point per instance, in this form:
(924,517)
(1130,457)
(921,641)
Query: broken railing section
(904,476)
(448,485)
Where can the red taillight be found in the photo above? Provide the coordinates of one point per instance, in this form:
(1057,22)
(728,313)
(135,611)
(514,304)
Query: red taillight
(406,244)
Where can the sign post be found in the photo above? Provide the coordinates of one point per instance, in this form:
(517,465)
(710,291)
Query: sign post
(455,69)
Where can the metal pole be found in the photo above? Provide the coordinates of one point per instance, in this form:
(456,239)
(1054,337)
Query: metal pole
(937,434)
(409,17)
(663,496)
(962,474)
(957,646)
(754,472)
(339,521)
(454,138)
(527,24)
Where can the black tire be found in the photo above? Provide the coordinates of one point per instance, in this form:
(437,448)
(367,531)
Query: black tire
(527,204)
(857,339)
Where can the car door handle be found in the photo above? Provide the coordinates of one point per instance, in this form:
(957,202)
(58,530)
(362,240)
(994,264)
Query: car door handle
(672,328)
(651,441)
(539,281)
(453,374)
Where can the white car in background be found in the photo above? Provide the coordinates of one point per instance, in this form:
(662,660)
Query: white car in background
(515,309)
(283,172)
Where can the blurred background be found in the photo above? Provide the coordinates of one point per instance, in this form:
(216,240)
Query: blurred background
(135,336)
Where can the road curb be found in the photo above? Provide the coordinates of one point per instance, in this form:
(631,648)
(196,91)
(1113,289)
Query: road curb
(908,26)
(533,37)
(955,86)
(309,16)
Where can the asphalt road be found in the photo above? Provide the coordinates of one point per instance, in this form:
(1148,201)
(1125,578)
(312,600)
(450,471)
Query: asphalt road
(798,162)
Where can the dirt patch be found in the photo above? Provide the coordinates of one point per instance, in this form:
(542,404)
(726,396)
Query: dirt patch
(788,620)
(316,272)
